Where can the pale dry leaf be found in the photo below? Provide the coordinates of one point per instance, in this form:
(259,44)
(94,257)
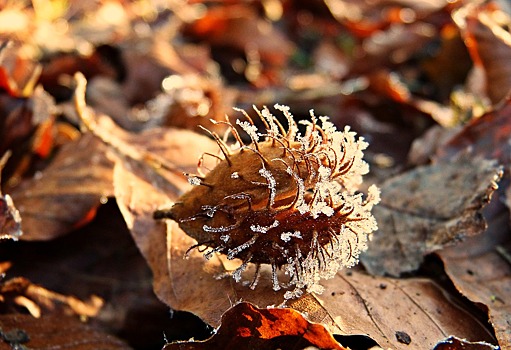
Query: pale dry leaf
(426,209)
(356,303)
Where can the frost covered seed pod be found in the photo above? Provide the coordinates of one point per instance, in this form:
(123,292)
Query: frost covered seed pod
(284,199)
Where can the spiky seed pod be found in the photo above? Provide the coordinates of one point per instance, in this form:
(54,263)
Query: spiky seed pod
(284,199)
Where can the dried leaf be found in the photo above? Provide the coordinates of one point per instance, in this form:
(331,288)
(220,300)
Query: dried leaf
(66,194)
(427,208)
(239,27)
(38,300)
(486,137)
(246,326)
(10,220)
(51,332)
(480,269)
(394,45)
(356,303)
(18,75)
(390,84)
(423,148)
(367,17)
(489,45)
(65,65)
(98,259)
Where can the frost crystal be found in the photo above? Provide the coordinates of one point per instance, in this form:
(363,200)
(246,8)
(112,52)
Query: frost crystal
(194,180)
(264,229)
(286,236)
(231,254)
(250,129)
(271,184)
(218,229)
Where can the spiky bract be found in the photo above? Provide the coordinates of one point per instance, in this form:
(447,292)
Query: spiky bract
(283,199)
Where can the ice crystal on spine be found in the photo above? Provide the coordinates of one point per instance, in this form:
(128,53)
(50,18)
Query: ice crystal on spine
(283,199)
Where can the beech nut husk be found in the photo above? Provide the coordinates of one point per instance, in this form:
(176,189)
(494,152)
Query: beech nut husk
(283,199)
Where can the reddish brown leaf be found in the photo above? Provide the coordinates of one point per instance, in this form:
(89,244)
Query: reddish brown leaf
(27,130)
(240,28)
(489,45)
(449,67)
(59,198)
(50,332)
(246,326)
(427,208)
(389,84)
(18,75)
(487,137)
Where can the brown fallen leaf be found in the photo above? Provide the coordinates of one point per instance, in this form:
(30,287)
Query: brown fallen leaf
(454,343)
(66,194)
(480,269)
(489,45)
(240,28)
(486,137)
(18,75)
(424,147)
(101,259)
(381,307)
(66,64)
(10,220)
(427,208)
(389,84)
(51,332)
(393,46)
(247,326)
(38,300)
(364,18)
